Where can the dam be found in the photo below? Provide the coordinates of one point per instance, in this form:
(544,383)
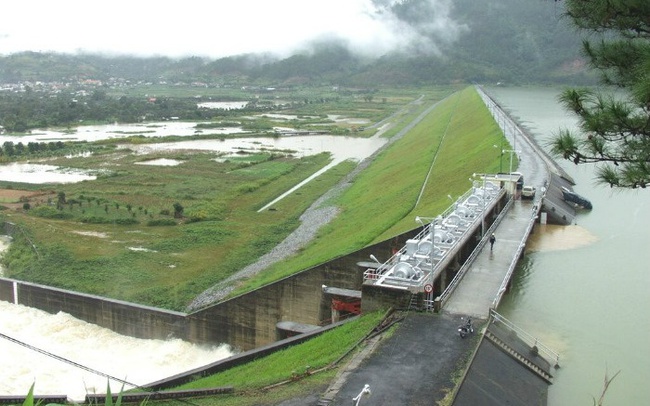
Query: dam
(416,275)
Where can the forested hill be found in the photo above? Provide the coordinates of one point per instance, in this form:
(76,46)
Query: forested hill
(509,41)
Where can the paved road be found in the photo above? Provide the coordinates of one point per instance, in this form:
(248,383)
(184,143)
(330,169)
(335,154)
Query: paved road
(533,162)
(414,366)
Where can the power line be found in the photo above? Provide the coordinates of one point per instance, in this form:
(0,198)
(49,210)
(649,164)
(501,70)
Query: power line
(67,361)
(76,364)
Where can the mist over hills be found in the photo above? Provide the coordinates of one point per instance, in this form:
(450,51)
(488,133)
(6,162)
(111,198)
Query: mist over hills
(508,41)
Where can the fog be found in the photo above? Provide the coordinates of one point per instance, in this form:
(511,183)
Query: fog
(225,28)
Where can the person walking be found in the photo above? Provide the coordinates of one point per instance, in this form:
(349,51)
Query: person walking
(492,240)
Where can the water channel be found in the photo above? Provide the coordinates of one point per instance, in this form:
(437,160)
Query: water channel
(583,289)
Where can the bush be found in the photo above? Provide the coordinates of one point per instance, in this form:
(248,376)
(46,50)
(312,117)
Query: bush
(126,221)
(161,222)
(95,220)
(247,188)
(50,213)
(206,211)
(106,220)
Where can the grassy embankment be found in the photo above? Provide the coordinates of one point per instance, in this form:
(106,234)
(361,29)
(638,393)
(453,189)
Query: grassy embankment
(116,236)
(312,365)
(456,140)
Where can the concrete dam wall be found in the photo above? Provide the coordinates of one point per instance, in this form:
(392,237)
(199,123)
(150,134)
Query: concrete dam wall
(122,317)
(244,322)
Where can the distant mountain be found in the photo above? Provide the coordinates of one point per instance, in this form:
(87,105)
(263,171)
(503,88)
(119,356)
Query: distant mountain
(511,41)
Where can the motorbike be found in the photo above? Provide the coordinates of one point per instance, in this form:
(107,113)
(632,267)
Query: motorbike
(465,329)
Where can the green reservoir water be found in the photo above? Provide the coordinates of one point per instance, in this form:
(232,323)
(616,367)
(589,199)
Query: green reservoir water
(584,290)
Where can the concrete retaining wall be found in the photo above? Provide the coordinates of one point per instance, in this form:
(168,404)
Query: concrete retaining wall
(237,359)
(122,317)
(249,321)
(244,322)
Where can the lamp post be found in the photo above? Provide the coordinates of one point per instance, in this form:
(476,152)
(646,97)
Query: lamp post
(500,155)
(511,151)
(364,392)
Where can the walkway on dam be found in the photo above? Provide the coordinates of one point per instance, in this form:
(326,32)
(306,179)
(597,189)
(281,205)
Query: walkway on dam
(481,286)
(487,274)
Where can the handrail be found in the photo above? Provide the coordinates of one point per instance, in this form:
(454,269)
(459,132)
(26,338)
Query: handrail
(515,260)
(376,273)
(444,296)
(527,338)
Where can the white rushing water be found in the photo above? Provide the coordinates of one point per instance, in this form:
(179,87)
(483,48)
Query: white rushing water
(136,361)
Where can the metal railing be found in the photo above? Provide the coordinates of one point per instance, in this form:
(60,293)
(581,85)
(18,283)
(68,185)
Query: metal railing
(381,270)
(515,260)
(527,338)
(444,296)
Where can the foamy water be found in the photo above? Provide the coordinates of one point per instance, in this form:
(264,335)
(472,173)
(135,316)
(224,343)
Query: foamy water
(136,361)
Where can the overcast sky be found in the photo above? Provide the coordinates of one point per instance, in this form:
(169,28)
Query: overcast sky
(207,28)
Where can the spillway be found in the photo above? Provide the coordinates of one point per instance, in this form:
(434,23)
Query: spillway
(136,361)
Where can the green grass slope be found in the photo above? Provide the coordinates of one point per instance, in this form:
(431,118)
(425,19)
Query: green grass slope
(451,143)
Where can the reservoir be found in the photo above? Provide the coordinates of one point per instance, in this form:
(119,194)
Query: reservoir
(583,289)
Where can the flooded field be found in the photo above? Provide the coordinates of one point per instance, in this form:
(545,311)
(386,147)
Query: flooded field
(41,174)
(342,148)
(91,133)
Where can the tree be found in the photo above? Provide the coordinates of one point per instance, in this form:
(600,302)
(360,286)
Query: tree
(614,121)
(178,210)
(8,148)
(60,196)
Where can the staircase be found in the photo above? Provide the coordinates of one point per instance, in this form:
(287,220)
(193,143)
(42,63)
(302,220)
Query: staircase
(414,303)
(519,357)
